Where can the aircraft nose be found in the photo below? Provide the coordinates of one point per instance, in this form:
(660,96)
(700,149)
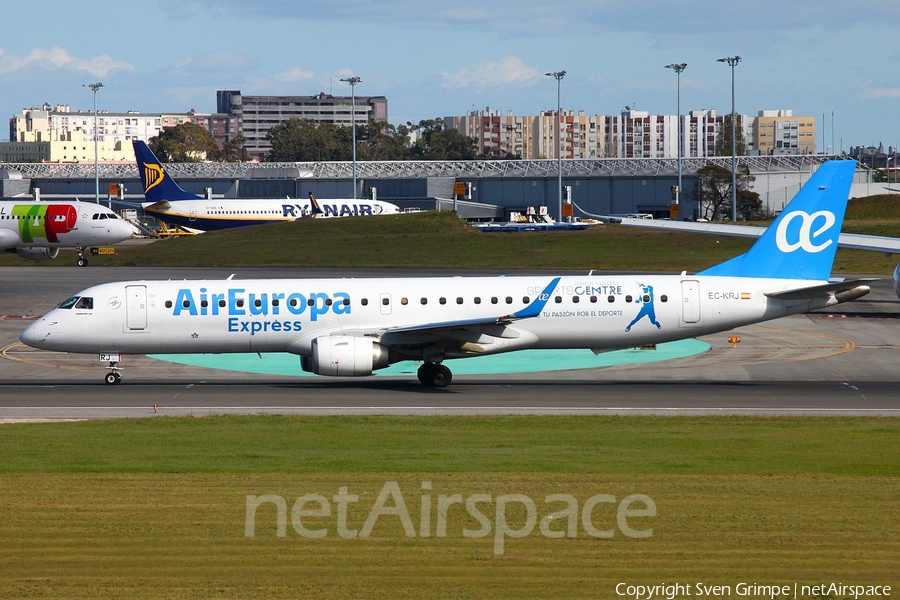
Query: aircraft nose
(36,335)
(30,335)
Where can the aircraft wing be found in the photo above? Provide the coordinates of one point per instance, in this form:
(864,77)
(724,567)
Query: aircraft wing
(857,241)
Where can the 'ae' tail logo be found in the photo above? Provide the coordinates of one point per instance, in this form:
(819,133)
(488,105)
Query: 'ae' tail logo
(805,236)
(153,175)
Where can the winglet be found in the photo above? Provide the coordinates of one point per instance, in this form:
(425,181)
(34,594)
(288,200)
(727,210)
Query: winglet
(158,185)
(314,209)
(536,306)
(802,241)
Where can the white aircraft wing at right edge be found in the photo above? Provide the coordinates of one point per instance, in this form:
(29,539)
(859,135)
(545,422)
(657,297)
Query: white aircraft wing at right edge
(857,241)
(876,243)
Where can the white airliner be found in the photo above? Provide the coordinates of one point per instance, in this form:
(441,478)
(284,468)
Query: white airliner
(351,327)
(855,241)
(171,204)
(37,230)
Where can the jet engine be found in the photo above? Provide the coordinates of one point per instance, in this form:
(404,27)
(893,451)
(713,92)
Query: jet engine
(345,356)
(38,253)
(897,281)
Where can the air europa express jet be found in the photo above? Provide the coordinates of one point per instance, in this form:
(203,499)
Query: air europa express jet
(168,202)
(37,230)
(351,327)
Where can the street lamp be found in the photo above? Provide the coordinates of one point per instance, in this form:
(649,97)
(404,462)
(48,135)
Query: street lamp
(732,62)
(94,87)
(353,81)
(558,75)
(678,68)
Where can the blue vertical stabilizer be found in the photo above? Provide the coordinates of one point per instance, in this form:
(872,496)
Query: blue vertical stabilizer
(801,243)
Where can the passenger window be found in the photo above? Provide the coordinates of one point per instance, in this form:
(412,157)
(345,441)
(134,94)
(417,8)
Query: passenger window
(663,298)
(558,299)
(186,303)
(204,303)
(404,301)
(222,303)
(345,302)
(364,301)
(477,300)
(628,298)
(509,299)
(525,300)
(443,301)
(593,299)
(240,303)
(385,301)
(257,303)
(168,304)
(494,300)
(328,302)
(575,300)
(424,301)
(309,302)
(611,299)
(646,298)
(459,300)
(275,302)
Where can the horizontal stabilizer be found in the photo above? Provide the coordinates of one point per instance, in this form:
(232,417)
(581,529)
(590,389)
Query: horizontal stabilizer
(817,291)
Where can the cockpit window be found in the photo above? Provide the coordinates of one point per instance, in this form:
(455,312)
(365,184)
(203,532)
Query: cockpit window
(85,302)
(69,303)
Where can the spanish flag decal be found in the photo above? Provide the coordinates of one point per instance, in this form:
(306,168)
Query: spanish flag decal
(745,295)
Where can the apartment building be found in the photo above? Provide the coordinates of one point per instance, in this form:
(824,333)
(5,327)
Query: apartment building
(256,115)
(630,134)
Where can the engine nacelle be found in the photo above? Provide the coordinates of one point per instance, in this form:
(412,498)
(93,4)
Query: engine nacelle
(38,253)
(345,356)
(897,281)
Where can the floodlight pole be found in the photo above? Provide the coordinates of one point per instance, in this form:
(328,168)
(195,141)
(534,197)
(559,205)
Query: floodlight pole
(353,81)
(94,87)
(678,68)
(732,62)
(558,75)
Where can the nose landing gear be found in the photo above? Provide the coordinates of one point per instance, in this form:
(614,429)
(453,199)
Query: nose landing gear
(113,377)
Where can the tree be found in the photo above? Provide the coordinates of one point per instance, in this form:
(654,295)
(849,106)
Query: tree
(304,140)
(436,142)
(379,140)
(186,142)
(723,139)
(713,192)
(233,150)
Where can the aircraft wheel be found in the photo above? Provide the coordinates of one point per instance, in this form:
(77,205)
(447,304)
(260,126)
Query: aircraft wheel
(82,262)
(441,376)
(113,378)
(426,373)
(434,375)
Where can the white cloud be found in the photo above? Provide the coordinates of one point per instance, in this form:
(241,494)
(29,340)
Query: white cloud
(294,74)
(59,58)
(490,73)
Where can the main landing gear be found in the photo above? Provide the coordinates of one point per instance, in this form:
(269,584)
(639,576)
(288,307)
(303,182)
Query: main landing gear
(82,262)
(113,377)
(434,375)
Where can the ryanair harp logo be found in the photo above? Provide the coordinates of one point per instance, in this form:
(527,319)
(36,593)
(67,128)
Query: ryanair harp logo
(153,175)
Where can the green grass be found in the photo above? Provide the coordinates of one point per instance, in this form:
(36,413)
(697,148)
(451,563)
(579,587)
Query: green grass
(441,241)
(156,508)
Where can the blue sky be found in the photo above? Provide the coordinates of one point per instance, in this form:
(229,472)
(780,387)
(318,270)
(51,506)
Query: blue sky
(433,58)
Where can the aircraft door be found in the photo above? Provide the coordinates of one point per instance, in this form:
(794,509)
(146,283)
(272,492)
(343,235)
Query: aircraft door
(690,306)
(136,307)
(193,213)
(385,301)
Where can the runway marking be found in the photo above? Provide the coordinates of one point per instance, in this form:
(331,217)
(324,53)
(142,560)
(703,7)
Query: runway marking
(262,409)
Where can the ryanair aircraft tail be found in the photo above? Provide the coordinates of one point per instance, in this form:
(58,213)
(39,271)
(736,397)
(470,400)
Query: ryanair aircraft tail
(158,185)
(314,209)
(802,241)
